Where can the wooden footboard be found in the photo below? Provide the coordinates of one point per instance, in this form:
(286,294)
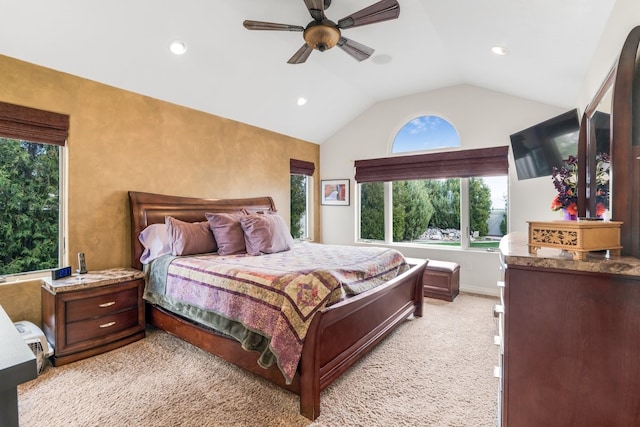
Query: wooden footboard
(343,333)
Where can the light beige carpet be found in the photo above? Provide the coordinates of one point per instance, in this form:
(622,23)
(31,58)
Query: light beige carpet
(432,371)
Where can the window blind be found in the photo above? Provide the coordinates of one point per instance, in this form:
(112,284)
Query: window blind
(34,125)
(453,164)
(300,167)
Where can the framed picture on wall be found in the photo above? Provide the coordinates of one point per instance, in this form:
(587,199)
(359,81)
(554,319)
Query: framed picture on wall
(335,192)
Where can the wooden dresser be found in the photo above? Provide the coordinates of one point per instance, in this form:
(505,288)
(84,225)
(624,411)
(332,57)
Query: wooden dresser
(571,339)
(84,315)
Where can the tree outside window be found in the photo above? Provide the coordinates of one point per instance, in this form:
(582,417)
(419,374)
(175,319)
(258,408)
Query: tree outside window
(299,206)
(428,211)
(29,206)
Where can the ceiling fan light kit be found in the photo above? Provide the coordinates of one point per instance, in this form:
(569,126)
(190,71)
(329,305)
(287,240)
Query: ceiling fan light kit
(322,34)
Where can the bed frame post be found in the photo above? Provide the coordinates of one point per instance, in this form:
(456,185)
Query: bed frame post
(419,289)
(310,374)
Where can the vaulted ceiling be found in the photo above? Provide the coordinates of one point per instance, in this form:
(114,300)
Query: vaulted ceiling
(244,75)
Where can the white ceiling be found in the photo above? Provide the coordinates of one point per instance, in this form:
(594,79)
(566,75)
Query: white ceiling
(243,75)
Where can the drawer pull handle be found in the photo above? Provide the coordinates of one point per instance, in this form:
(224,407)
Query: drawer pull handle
(107,325)
(107,304)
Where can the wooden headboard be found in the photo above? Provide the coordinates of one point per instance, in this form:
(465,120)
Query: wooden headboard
(149,208)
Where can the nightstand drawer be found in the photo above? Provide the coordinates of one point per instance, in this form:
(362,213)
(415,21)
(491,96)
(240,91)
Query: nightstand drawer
(89,308)
(95,328)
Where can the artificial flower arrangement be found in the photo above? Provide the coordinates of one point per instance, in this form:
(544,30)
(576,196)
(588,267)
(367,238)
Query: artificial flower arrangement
(565,181)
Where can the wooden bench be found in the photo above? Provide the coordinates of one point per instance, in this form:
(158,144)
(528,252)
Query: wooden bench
(441,280)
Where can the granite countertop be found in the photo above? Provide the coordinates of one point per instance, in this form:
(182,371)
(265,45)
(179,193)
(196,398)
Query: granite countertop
(514,250)
(91,279)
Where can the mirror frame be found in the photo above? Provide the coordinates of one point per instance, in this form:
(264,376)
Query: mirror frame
(625,186)
(587,147)
(625,167)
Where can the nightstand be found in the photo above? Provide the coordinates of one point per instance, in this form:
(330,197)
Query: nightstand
(88,314)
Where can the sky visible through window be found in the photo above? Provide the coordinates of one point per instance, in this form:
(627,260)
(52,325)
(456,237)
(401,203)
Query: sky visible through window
(425,133)
(499,189)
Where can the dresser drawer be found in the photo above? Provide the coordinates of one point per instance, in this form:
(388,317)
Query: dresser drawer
(84,330)
(101,305)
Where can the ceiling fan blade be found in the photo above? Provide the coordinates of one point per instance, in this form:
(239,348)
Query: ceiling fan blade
(384,10)
(316,9)
(301,55)
(355,49)
(259,25)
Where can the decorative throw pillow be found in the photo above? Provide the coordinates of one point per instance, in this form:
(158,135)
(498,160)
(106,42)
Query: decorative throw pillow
(265,234)
(156,242)
(227,231)
(188,238)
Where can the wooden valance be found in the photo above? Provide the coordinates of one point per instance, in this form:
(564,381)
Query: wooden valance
(31,124)
(452,164)
(301,167)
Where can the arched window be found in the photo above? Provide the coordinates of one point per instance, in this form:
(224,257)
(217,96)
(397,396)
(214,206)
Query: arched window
(425,133)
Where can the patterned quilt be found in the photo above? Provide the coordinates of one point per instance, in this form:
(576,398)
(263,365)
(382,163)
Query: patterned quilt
(274,296)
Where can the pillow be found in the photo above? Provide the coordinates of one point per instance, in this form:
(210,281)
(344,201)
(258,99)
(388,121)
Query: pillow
(156,242)
(265,234)
(227,231)
(188,238)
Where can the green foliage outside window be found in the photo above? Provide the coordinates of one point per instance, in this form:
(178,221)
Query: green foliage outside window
(420,204)
(372,211)
(412,210)
(29,207)
(445,197)
(479,206)
(503,223)
(298,205)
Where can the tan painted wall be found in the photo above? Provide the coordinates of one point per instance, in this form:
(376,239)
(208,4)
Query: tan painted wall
(121,141)
(21,301)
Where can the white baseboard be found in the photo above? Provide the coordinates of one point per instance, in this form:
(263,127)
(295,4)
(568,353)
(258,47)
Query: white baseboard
(493,291)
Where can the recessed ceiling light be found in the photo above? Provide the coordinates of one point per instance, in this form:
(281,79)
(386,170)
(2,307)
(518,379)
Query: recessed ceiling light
(500,50)
(177,47)
(301,101)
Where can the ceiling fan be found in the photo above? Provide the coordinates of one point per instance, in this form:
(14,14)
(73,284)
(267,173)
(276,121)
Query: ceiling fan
(323,34)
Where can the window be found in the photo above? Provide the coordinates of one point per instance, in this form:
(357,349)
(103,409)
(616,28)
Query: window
(462,201)
(425,133)
(372,211)
(30,177)
(299,206)
(300,187)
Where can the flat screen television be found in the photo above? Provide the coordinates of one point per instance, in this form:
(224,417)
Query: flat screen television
(538,149)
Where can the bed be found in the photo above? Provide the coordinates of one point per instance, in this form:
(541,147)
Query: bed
(337,335)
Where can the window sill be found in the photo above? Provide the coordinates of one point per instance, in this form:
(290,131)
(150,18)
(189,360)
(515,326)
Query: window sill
(22,278)
(426,246)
